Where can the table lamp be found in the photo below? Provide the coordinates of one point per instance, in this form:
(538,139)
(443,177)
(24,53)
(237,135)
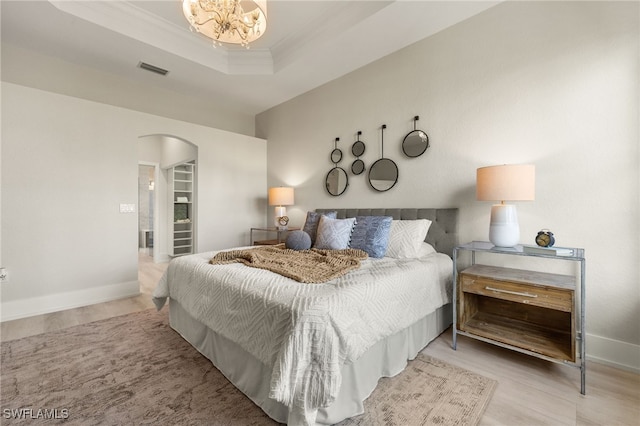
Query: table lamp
(281,197)
(515,182)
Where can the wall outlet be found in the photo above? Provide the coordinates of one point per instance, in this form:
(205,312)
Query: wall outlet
(4,276)
(127,208)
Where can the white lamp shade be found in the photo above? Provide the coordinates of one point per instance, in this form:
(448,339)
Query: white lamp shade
(515,182)
(280,196)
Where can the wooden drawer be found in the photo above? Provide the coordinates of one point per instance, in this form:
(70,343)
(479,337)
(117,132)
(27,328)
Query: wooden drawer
(524,309)
(553,291)
(536,295)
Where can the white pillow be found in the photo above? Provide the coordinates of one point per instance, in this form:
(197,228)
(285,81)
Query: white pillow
(406,238)
(426,249)
(334,234)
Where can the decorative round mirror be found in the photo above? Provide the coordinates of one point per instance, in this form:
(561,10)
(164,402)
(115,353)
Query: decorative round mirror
(416,142)
(336,156)
(336,181)
(383,174)
(357,167)
(357,149)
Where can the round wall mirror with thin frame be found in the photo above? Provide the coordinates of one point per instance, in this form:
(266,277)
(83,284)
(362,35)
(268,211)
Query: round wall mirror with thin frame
(357,167)
(383,174)
(336,181)
(336,156)
(416,142)
(357,149)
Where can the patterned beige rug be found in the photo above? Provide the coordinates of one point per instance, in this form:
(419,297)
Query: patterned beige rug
(134,369)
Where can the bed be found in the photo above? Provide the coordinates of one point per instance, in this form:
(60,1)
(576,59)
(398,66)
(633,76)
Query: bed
(312,353)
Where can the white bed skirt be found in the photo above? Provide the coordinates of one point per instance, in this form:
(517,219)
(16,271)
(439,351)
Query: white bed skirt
(385,359)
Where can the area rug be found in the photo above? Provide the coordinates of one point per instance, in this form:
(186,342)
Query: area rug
(134,369)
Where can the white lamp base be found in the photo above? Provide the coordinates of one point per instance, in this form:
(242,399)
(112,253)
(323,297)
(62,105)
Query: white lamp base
(279,212)
(504,230)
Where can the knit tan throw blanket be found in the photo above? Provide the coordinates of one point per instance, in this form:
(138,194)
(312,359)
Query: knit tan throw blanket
(306,266)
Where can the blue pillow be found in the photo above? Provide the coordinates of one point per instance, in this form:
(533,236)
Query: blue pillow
(311,224)
(371,234)
(298,240)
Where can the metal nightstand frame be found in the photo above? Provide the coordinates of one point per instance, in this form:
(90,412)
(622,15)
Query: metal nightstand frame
(486,247)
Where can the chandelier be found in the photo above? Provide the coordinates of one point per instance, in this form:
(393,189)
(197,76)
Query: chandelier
(226,21)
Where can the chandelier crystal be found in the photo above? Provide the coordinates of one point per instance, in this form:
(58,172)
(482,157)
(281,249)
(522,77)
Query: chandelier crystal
(227,21)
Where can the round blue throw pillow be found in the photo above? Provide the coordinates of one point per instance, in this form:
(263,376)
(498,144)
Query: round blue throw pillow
(298,240)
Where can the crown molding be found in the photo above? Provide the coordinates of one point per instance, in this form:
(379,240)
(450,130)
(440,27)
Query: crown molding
(342,17)
(130,20)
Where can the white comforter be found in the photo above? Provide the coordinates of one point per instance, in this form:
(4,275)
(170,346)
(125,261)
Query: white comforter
(306,332)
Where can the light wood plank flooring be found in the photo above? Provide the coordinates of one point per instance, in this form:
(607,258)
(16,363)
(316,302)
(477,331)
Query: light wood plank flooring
(530,391)
(148,275)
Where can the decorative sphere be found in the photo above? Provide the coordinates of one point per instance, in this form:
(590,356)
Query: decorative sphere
(298,240)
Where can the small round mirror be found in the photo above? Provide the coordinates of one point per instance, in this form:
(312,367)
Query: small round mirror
(357,149)
(383,174)
(415,143)
(336,156)
(336,181)
(357,167)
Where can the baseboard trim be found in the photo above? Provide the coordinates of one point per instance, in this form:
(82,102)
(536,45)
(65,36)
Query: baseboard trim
(615,353)
(24,308)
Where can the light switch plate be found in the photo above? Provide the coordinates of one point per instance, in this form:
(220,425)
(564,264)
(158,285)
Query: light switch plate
(127,208)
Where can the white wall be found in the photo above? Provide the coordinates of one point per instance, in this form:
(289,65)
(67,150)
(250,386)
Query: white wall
(67,165)
(554,84)
(32,69)
(176,151)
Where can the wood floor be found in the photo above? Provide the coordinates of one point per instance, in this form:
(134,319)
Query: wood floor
(529,392)
(148,275)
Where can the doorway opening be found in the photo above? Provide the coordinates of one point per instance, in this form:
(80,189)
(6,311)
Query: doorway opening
(146,208)
(158,154)
(149,270)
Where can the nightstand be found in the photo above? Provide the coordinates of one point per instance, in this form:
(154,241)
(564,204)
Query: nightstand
(281,236)
(537,313)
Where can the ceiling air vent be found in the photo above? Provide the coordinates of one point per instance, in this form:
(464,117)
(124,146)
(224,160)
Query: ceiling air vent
(152,68)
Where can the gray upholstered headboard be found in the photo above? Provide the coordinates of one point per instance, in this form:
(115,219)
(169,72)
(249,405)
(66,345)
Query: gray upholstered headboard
(443,233)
